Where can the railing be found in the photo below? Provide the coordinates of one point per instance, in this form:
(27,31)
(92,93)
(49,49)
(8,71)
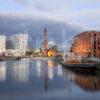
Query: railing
(83,59)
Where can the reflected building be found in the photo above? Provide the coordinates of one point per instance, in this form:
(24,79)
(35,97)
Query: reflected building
(89,83)
(59,70)
(2,71)
(48,73)
(50,69)
(86,82)
(68,74)
(38,68)
(51,66)
(20,70)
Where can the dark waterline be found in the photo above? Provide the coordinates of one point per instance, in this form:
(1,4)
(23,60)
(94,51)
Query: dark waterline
(45,80)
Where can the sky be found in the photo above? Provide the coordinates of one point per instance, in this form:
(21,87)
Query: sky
(72,16)
(85,13)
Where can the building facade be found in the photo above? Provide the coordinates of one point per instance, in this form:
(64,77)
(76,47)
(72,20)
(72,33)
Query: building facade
(2,44)
(50,44)
(52,49)
(87,44)
(9,44)
(45,53)
(20,42)
(12,52)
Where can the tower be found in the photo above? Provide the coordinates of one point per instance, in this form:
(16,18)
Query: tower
(45,42)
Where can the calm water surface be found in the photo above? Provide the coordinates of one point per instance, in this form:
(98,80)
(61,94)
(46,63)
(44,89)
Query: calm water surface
(30,79)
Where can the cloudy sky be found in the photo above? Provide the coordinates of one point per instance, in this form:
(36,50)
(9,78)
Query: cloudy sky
(85,13)
(59,16)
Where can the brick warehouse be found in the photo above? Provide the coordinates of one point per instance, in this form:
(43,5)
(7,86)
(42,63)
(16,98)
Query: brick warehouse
(87,44)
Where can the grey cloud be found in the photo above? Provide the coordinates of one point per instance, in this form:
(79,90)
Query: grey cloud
(24,2)
(10,25)
(35,4)
(42,7)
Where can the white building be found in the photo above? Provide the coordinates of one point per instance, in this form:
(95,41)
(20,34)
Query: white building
(20,42)
(50,44)
(12,52)
(2,44)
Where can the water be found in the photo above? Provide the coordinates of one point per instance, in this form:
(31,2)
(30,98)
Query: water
(45,80)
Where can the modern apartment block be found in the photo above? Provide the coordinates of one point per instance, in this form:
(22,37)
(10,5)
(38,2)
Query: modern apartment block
(2,44)
(87,44)
(20,42)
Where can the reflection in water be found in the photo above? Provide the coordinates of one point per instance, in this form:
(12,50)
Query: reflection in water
(90,83)
(50,63)
(50,72)
(46,77)
(87,82)
(50,69)
(2,71)
(47,80)
(59,70)
(38,68)
(20,70)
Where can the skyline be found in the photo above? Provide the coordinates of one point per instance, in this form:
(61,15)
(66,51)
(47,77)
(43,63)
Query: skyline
(59,17)
(84,13)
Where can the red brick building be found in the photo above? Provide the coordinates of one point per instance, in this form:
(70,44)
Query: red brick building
(87,44)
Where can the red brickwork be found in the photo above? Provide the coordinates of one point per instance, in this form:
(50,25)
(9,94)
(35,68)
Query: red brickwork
(87,44)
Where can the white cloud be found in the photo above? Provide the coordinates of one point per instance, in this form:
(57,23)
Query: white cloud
(60,10)
(90,18)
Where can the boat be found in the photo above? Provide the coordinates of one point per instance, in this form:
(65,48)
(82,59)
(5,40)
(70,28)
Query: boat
(80,65)
(77,64)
